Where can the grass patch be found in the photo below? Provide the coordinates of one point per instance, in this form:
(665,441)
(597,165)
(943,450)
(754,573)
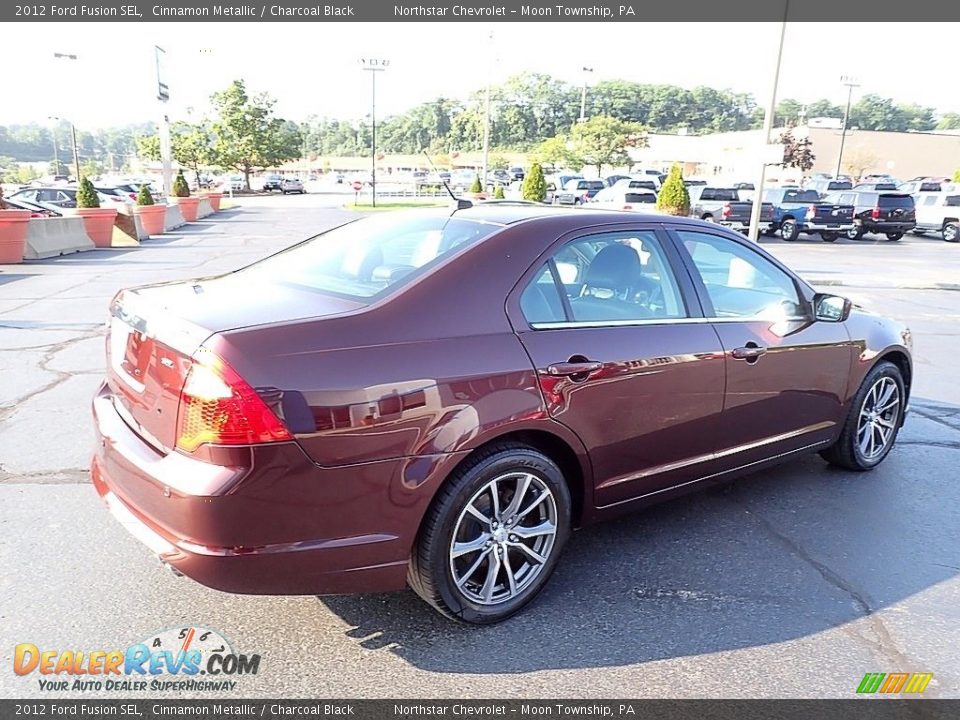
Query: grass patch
(398,205)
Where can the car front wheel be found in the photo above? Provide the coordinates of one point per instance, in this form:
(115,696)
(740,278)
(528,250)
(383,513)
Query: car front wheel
(493,535)
(855,233)
(951,232)
(873,422)
(789,230)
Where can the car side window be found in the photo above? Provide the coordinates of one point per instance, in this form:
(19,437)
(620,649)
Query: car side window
(741,283)
(611,277)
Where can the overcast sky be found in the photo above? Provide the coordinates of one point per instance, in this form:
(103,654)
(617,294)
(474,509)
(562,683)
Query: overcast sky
(312,68)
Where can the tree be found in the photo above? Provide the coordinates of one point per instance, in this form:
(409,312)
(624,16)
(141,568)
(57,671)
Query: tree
(477,186)
(858,160)
(824,108)
(674,198)
(534,187)
(145,197)
(189,144)
(787,113)
(498,193)
(247,135)
(797,153)
(604,140)
(86,196)
(949,121)
(180,187)
(26,174)
(555,153)
(498,162)
(956,176)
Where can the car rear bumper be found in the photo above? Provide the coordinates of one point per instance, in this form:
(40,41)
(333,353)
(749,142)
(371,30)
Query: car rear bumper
(888,227)
(828,227)
(276,525)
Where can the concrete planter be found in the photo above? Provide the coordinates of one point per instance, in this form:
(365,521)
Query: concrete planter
(188,206)
(51,237)
(99,224)
(153,218)
(214,198)
(13,235)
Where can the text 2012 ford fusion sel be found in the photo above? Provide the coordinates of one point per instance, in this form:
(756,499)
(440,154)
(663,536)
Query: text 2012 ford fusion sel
(436,398)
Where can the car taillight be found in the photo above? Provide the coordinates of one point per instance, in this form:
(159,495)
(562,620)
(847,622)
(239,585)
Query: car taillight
(628,207)
(726,211)
(875,213)
(812,211)
(133,196)
(218,407)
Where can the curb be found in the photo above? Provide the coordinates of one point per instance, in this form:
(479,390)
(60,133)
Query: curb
(866,283)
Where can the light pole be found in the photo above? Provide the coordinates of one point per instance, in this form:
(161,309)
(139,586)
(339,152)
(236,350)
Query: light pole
(583,95)
(73,128)
(486,125)
(851,84)
(374,66)
(754,231)
(56,150)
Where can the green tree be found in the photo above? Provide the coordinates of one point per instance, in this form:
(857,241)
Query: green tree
(603,141)
(787,113)
(180,187)
(86,196)
(797,153)
(190,146)
(498,162)
(674,198)
(949,121)
(498,193)
(476,187)
(956,176)
(824,108)
(534,185)
(247,135)
(556,153)
(26,174)
(144,197)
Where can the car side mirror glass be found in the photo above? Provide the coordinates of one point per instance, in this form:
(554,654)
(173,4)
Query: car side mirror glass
(831,308)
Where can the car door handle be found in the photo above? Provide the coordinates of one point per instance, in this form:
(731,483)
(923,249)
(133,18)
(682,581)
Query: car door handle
(569,369)
(750,352)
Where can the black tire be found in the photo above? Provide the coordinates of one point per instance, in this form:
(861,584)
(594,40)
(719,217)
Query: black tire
(708,218)
(431,573)
(893,237)
(855,233)
(829,236)
(846,452)
(951,232)
(789,230)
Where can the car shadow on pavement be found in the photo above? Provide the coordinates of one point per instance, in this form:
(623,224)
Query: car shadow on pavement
(775,556)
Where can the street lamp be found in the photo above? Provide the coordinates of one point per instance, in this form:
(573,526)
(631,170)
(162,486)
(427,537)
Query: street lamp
(374,66)
(486,124)
(851,84)
(56,150)
(583,95)
(73,128)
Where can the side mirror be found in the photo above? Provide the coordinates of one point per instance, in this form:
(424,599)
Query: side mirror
(830,308)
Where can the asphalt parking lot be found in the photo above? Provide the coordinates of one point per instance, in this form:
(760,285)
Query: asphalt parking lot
(790,583)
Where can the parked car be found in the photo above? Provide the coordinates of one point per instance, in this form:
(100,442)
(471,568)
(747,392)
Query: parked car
(517,173)
(333,433)
(633,183)
(914,187)
(875,186)
(611,180)
(561,180)
(938,212)
(48,197)
(35,210)
(887,213)
(115,195)
(798,211)
(234,183)
(272,182)
(623,197)
(292,185)
(577,192)
(724,206)
(824,186)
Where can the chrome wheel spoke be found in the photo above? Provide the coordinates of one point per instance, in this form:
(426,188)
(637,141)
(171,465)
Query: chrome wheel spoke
(532,554)
(523,484)
(490,583)
(508,571)
(540,498)
(544,528)
(479,516)
(883,422)
(464,548)
(495,495)
(889,405)
(473,568)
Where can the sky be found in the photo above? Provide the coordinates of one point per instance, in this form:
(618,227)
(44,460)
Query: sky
(314,68)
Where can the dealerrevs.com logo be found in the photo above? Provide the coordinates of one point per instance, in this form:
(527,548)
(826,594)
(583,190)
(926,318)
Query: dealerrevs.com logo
(190,659)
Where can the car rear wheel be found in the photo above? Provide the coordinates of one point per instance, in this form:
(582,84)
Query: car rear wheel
(829,236)
(789,230)
(894,236)
(855,233)
(493,535)
(873,422)
(708,218)
(951,232)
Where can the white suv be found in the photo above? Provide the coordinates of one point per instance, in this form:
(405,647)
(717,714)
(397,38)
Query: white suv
(938,212)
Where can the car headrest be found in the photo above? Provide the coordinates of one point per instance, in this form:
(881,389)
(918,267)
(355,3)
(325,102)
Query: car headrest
(360,263)
(615,267)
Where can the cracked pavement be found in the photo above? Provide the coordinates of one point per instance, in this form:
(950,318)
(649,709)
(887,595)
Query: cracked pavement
(793,582)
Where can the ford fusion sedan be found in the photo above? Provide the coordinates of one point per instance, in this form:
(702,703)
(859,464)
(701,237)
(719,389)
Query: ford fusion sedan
(436,399)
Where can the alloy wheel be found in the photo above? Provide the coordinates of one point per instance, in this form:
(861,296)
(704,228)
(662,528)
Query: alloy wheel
(879,413)
(503,538)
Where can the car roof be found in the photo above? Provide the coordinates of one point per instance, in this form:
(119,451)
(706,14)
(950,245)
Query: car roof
(510,213)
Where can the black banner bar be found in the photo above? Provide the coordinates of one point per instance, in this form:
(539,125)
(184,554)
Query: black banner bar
(239,709)
(140,11)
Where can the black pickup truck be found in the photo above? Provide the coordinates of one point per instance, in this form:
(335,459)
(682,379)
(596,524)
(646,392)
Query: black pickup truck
(887,213)
(798,211)
(723,205)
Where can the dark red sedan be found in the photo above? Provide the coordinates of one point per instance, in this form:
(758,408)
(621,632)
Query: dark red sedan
(437,398)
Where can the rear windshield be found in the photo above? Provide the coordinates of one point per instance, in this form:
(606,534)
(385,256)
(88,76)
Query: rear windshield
(724,194)
(801,196)
(839,185)
(595,185)
(374,256)
(648,184)
(640,198)
(896,201)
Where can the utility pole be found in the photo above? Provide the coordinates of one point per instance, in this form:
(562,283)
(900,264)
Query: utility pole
(754,232)
(73,128)
(56,150)
(373,66)
(583,95)
(166,147)
(851,84)
(486,123)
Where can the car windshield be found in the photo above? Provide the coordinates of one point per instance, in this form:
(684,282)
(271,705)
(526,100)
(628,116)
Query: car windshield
(373,257)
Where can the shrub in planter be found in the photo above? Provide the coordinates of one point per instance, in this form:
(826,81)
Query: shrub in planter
(180,186)
(97,221)
(152,216)
(476,188)
(13,233)
(534,187)
(674,198)
(498,193)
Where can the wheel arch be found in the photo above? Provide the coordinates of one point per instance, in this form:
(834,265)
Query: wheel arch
(902,361)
